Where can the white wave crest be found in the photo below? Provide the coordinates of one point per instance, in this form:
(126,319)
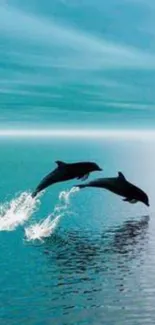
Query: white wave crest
(41,229)
(46,227)
(17,212)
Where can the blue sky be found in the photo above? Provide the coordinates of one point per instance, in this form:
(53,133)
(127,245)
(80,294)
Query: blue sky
(77,63)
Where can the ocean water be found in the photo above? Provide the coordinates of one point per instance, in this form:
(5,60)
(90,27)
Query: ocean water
(75,257)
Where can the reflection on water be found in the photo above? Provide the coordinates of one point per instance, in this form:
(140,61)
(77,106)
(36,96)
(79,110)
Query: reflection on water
(98,274)
(129,235)
(85,277)
(79,251)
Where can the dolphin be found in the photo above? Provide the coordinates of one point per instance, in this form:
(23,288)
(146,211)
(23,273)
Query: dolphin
(65,172)
(119,185)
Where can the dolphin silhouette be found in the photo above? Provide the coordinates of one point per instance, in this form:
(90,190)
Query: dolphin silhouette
(65,172)
(119,185)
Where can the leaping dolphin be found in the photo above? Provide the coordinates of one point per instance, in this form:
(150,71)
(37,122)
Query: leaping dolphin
(65,172)
(119,185)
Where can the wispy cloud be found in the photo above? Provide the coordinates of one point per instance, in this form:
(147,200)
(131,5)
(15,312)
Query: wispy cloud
(84,71)
(88,51)
(130,105)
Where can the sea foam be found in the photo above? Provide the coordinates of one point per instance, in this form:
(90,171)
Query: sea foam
(46,227)
(17,211)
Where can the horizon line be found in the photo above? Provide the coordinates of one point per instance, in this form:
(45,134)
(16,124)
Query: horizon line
(79,133)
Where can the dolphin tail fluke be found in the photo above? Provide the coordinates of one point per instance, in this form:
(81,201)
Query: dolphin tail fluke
(34,194)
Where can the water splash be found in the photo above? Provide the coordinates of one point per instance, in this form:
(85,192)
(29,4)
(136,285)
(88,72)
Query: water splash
(42,229)
(17,212)
(46,227)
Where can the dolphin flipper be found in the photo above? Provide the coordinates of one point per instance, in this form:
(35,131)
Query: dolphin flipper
(133,201)
(130,200)
(83,177)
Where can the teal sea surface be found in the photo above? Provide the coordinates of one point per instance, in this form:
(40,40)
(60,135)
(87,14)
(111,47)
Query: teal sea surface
(75,257)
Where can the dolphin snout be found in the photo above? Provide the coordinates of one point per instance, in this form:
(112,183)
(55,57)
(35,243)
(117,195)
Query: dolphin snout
(146,202)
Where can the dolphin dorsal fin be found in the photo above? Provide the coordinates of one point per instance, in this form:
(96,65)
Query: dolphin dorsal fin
(60,163)
(121,176)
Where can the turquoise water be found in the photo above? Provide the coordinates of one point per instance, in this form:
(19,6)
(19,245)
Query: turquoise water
(97,266)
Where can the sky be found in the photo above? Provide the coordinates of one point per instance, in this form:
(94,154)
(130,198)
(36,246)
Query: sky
(77,64)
